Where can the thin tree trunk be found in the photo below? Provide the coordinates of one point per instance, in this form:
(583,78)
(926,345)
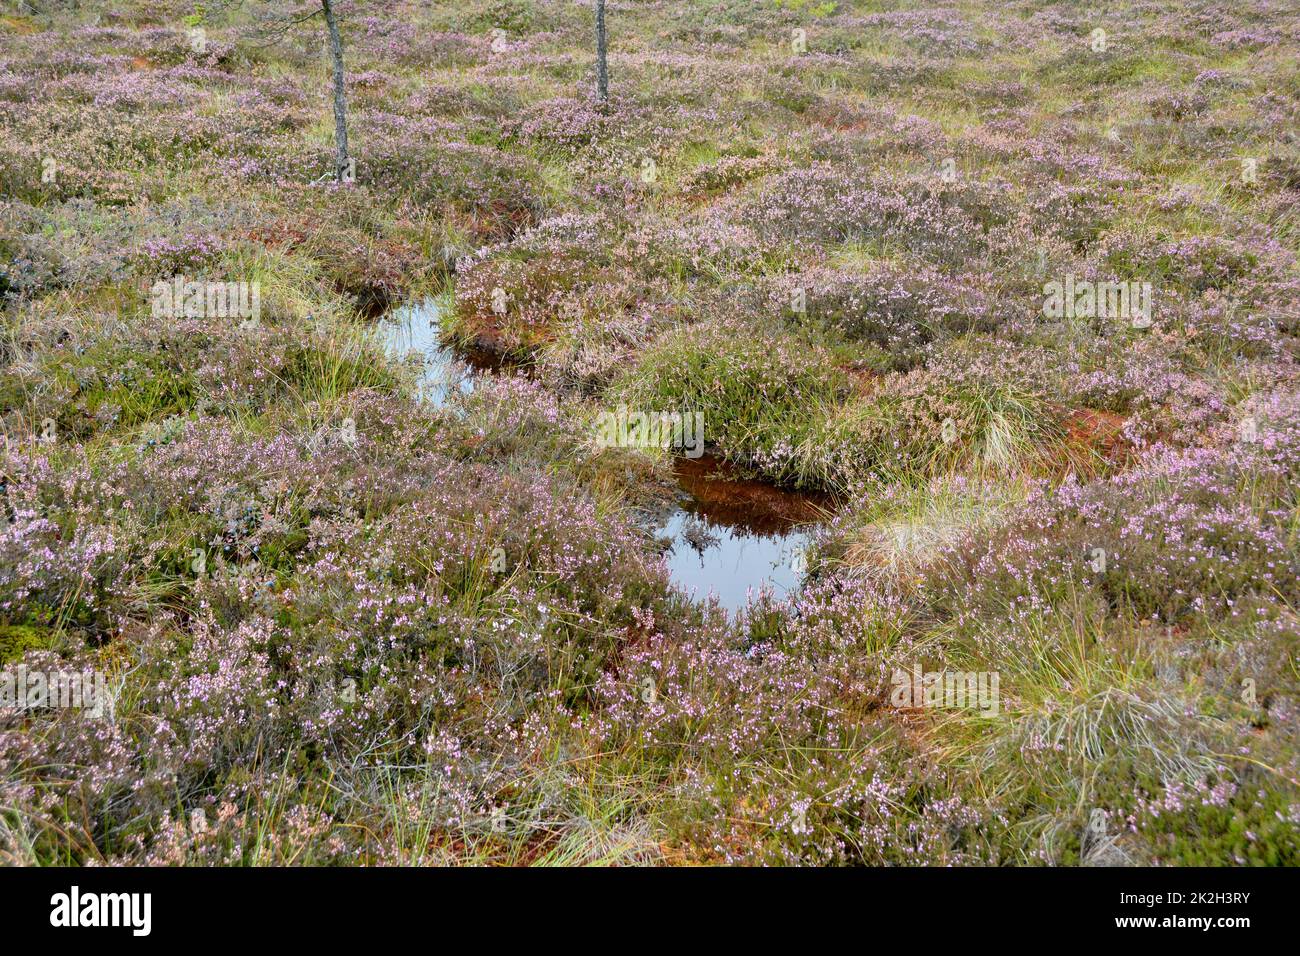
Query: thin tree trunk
(602,67)
(341,164)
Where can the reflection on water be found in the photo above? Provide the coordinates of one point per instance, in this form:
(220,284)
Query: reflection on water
(735,537)
(732,564)
(731,538)
(417,328)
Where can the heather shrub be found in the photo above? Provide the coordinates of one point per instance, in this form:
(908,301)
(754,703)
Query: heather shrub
(418,160)
(820,203)
(753,716)
(600,334)
(119,387)
(510,305)
(899,311)
(514,16)
(243,656)
(1176,538)
(1219,820)
(569,124)
(1197,263)
(703,247)
(726,172)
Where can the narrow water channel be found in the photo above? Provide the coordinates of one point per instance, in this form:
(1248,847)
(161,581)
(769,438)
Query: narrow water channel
(730,538)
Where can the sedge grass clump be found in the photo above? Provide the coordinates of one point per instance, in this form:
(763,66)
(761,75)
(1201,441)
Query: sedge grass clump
(1105,727)
(761,396)
(902,531)
(968,409)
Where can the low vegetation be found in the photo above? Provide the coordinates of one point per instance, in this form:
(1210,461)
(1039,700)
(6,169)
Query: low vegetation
(339,625)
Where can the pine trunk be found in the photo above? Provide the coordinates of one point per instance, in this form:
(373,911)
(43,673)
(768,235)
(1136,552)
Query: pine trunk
(602,67)
(341,164)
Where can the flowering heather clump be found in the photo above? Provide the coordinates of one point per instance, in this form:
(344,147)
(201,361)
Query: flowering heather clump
(1171,538)
(933,31)
(897,310)
(184,254)
(568,124)
(421,160)
(345,617)
(1198,263)
(823,204)
(512,304)
(970,405)
(727,172)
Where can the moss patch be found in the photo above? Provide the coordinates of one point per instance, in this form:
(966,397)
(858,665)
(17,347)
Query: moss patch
(17,639)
